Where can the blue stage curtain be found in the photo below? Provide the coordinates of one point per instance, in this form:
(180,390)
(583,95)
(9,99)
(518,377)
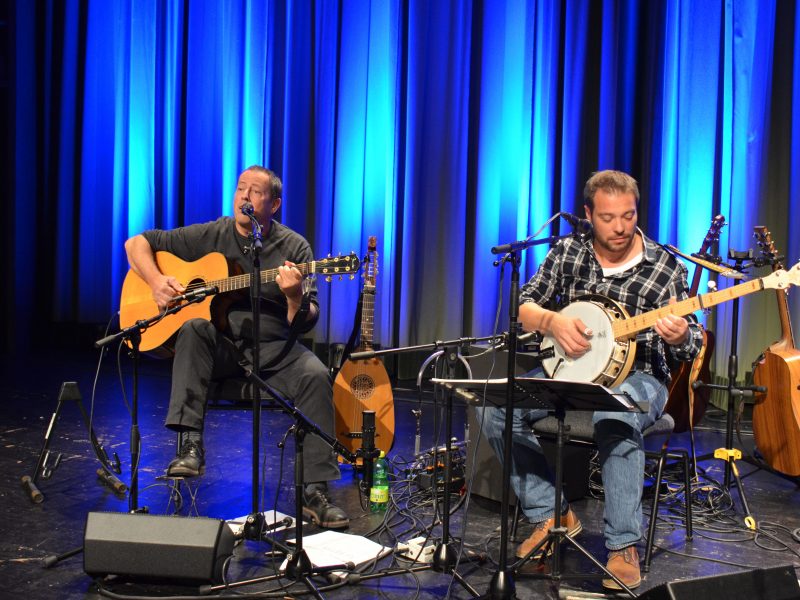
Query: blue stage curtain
(443,128)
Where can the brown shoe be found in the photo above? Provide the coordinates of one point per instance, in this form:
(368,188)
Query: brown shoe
(624,564)
(540,530)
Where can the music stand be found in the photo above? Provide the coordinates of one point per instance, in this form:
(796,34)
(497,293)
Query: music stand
(557,397)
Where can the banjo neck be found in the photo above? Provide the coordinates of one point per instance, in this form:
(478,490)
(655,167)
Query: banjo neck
(630,326)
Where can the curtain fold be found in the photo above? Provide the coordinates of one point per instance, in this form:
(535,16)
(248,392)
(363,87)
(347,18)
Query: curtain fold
(442,128)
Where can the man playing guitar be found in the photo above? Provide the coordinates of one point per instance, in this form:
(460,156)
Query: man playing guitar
(619,262)
(204,352)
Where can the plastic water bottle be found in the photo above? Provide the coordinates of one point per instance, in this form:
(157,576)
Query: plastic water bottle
(379,494)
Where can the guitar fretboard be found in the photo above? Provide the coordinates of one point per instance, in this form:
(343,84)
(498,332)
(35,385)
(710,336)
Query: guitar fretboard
(632,325)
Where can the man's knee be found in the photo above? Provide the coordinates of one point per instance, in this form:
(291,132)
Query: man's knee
(196,329)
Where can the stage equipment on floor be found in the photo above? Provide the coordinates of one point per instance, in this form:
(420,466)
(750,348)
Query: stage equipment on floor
(447,355)
(133,336)
(557,397)
(156,548)
(48,462)
(774,583)
(729,454)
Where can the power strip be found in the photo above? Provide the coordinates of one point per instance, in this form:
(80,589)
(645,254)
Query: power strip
(413,550)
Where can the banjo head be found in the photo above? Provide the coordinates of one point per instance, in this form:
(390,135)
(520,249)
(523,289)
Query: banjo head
(608,360)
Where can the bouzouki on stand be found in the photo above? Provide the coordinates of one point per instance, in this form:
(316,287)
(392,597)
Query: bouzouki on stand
(207,277)
(776,413)
(364,384)
(686,405)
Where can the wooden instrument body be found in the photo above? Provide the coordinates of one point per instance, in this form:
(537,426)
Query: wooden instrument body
(364,384)
(685,405)
(137,302)
(776,414)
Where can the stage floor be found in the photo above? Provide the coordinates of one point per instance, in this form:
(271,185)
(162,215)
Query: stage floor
(30,532)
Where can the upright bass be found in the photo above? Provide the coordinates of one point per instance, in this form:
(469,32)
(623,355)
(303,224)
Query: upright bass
(364,384)
(776,414)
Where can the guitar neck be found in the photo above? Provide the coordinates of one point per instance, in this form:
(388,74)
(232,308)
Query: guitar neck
(633,325)
(238,282)
(367,316)
(787,335)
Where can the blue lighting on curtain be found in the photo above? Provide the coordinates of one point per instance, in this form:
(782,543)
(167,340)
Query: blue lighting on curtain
(443,128)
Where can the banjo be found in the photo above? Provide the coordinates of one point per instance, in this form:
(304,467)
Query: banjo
(610,358)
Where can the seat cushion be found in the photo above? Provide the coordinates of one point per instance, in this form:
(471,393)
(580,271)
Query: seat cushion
(581,426)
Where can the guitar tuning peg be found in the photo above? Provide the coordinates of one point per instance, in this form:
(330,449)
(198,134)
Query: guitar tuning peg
(328,278)
(352,277)
(340,277)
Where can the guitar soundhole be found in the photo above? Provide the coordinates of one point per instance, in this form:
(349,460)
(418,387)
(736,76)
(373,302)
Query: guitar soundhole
(362,386)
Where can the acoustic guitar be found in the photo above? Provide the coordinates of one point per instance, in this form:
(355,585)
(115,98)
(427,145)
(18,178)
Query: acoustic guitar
(776,414)
(685,405)
(210,271)
(364,384)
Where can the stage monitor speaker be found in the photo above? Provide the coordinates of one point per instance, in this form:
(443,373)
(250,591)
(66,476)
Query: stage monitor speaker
(775,583)
(185,550)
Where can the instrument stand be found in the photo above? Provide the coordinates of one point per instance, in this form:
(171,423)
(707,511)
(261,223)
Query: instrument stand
(45,468)
(729,454)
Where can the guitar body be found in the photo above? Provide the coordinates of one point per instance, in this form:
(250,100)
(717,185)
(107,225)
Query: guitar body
(363,385)
(137,302)
(685,405)
(776,414)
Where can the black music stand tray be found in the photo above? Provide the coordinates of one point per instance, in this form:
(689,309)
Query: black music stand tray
(557,397)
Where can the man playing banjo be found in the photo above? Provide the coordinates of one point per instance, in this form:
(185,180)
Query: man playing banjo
(620,263)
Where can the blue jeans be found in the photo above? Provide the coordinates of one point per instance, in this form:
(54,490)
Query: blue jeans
(619,439)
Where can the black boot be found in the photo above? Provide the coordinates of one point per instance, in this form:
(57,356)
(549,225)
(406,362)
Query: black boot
(317,507)
(190,461)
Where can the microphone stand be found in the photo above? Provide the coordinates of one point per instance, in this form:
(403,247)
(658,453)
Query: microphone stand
(502,582)
(255,303)
(445,556)
(133,335)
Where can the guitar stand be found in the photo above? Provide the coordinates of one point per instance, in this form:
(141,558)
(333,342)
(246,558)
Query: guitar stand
(729,454)
(45,467)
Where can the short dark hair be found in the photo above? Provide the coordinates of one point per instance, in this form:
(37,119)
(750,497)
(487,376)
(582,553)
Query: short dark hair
(611,182)
(275,185)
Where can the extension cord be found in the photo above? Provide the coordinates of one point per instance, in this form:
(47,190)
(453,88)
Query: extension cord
(413,550)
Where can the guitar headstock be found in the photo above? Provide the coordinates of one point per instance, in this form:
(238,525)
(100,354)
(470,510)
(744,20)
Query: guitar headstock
(767,245)
(338,265)
(712,236)
(780,280)
(371,268)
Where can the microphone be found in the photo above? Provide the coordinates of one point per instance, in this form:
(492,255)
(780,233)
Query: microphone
(368,446)
(247,209)
(198,293)
(111,481)
(578,224)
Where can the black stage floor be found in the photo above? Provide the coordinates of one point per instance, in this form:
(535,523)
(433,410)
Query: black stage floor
(30,532)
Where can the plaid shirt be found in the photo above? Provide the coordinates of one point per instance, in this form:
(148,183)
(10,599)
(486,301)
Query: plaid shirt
(571,270)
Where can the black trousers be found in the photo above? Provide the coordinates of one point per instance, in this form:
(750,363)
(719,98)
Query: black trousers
(203,354)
